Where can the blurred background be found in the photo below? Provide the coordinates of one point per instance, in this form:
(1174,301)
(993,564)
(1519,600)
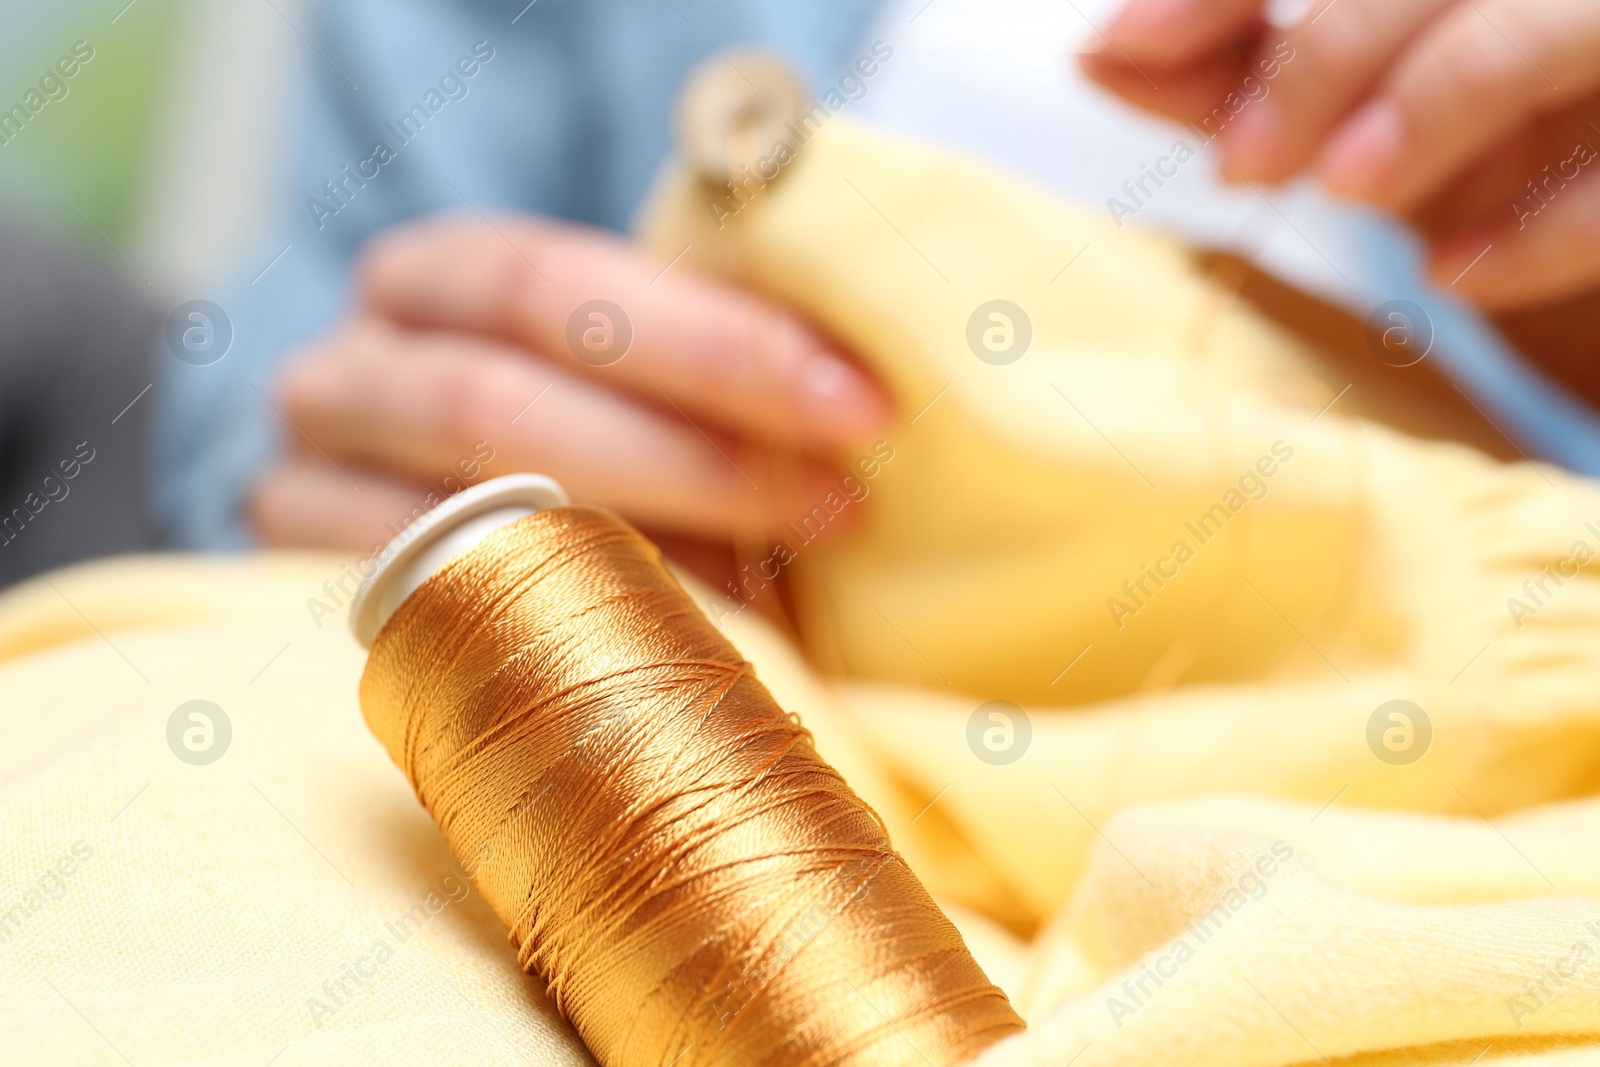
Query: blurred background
(174,164)
(162,154)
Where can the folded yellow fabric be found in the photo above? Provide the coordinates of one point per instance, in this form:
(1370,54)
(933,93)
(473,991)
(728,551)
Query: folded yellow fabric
(1150,515)
(1210,844)
(1242,932)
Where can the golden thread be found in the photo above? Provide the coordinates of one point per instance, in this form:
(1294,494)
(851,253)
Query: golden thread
(667,850)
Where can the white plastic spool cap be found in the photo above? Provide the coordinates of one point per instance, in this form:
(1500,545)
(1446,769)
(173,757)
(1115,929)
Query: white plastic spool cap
(457,524)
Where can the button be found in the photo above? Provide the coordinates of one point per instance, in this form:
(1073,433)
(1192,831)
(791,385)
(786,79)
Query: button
(734,109)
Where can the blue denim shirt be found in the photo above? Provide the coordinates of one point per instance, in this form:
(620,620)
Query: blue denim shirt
(559,107)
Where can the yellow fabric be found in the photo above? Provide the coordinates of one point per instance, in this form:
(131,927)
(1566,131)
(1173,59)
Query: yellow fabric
(1023,496)
(1202,770)
(213,906)
(215,901)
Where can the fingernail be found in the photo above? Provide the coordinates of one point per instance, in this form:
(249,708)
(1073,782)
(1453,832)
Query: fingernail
(1250,144)
(1360,158)
(1148,21)
(840,395)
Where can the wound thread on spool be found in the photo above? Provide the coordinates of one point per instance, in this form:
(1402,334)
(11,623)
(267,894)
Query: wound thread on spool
(667,850)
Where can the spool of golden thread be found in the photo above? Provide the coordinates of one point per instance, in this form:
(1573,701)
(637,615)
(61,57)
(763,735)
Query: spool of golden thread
(696,886)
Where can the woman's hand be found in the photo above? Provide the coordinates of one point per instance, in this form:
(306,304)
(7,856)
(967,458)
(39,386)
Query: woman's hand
(688,406)
(1478,120)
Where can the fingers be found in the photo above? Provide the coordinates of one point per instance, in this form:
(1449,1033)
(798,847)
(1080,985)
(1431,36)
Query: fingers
(1477,74)
(1325,64)
(1187,94)
(306,503)
(1552,250)
(415,404)
(716,351)
(1168,34)
(1273,95)
(1389,99)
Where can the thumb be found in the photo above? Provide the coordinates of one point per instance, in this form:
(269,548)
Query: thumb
(1546,248)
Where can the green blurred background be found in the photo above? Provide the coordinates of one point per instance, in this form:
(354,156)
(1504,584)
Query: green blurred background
(159,159)
(95,144)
